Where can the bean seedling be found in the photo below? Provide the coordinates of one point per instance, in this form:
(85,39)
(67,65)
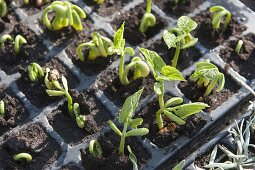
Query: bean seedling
(208,75)
(23,156)
(54,88)
(66,14)
(95,149)
(132,158)
(3,8)
(18,41)
(173,108)
(218,13)
(98,47)
(180,38)
(141,69)
(239,46)
(2,108)
(35,72)
(125,118)
(148,20)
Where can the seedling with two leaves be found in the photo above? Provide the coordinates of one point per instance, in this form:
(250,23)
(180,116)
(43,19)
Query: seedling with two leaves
(3,8)
(180,38)
(35,72)
(218,13)
(141,69)
(18,41)
(54,88)
(148,20)
(172,108)
(125,118)
(98,47)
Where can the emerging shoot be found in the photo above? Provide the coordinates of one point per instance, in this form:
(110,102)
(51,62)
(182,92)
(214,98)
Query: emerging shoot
(180,38)
(132,158)
(54,88)
(148,20)
(125,118)
(66,14)
(208,75)
(173,108)
(95,149)
(18,41)
(239,46)
(3,8)
(23,157)
(218,13)
(98,47)
(141,69)
(180,166)
(35,72)
(2,108)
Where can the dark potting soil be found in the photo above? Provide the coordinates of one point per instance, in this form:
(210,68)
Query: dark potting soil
(191,91)
(15,113)
(164,139)
(249,3)
(36,91)
(33,51)
(31,8)
(169,7)
(132,20)
(111,159)
(109,7)
(88,67)
(70,166)
(210,37)
(33,140)
(108,82)
(96,117)
(244,62)
(7,22)
(187,57)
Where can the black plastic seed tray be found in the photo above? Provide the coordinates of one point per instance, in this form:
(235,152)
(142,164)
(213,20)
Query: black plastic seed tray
(42,125)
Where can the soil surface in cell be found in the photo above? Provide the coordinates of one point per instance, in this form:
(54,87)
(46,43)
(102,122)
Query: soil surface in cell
(36,91)
(173,10)
(108,82)
(210,37)
(110,158)
(33,140)
(96,117)
(15,113)
(32,7)
(164,137)
(7,22)
(33,51)
(70,166)
(132,20)
(243,62)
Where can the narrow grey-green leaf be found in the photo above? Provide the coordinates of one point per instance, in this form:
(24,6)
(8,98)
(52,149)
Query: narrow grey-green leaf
(65,84)
(186,110)
(174,101)
(157,88)
(171,73)
(55,92)
(137,132)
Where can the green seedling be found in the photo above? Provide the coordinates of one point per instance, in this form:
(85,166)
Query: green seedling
(242,159)
(54,88)
(35,72)
(179,166)
(173,108)
(23,156)
(239,46)
(99,2)
(218,13)
(98,47)
(208,75)
(3,8)
(180,38)
(141,69)
(95,149)
(125,118)
(66,14)
(148,20)
(2,108)
(38,3)
(132,158)
(18,41)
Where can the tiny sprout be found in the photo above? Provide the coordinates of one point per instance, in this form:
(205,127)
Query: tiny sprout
(148,20)
(54,88)
(3,8)
(180,38)
(219,13)
(125,118)
(35,72)
(180,166)
(65,14)
(2,108)
(141,69)
(22,157)
(99,2)
(95,149)
(132,158)
(18,41)
(98,47)
(208,75)
(239,46)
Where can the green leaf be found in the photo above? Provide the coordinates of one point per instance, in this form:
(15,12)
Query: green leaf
(180,166)
(132,158)
(137,132)
(55,92)
(129,106)
(186,110)
(65,84)
(171,73)
(174,101)
(186,24)
(119,41)
(169,38)
(114,128)
(157,88)
(130,51)
(136,122)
